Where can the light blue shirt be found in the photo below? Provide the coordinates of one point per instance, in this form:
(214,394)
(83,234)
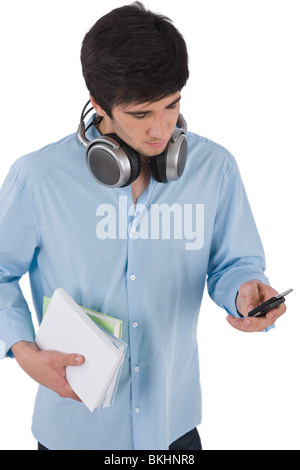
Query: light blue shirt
(146,265)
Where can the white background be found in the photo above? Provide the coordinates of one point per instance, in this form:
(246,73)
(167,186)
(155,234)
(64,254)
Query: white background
(243,93)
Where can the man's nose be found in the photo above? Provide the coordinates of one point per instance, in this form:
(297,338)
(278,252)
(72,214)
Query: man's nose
(160,128)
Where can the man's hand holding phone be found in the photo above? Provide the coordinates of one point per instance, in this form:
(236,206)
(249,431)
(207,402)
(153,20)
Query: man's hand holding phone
(251,295)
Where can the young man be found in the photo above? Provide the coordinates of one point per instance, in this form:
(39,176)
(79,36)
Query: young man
(140,251)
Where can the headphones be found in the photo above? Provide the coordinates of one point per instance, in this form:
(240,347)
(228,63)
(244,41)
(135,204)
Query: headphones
(114,164)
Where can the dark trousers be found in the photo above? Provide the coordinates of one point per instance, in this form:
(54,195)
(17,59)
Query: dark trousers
(189,441)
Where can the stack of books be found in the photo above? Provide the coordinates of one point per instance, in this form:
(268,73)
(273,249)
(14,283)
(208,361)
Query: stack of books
(70,328)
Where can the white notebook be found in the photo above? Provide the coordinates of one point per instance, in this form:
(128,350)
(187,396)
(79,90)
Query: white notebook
(67,328)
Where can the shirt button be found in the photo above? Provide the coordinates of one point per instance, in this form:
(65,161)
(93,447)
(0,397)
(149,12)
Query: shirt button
(132,277)
(135,324)
(136,369)
(137,410)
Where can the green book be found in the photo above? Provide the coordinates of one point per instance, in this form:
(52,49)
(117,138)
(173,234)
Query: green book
(110,324)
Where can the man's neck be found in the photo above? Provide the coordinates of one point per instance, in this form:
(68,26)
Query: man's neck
(142,181)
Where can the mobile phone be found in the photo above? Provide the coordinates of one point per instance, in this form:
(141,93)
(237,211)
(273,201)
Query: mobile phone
(262,309)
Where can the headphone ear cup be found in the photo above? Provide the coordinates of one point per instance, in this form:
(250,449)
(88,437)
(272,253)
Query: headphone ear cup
(170,164)
(133,157)
(158,165)
(112,162)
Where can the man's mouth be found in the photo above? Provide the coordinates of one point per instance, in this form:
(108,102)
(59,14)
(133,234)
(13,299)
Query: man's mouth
(157,144)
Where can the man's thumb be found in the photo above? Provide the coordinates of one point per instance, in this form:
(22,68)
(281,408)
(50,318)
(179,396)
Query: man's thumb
(74,360)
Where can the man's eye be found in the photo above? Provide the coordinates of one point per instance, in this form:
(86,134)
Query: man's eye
(139,116)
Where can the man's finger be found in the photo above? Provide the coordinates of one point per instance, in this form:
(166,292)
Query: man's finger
(248,325)
(65,360)
(74,359)
(252,296)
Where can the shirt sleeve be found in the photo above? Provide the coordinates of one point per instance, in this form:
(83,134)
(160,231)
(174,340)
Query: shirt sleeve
(237,254)
(19,240)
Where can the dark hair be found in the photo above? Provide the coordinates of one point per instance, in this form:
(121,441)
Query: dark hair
(132,55)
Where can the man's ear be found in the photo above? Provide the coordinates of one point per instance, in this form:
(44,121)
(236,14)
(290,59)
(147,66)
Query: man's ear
(99,110)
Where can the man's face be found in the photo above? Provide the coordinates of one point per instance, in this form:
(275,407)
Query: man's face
(146,127)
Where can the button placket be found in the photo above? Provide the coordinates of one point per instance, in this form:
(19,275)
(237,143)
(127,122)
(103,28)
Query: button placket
(134,330)
(135,321)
